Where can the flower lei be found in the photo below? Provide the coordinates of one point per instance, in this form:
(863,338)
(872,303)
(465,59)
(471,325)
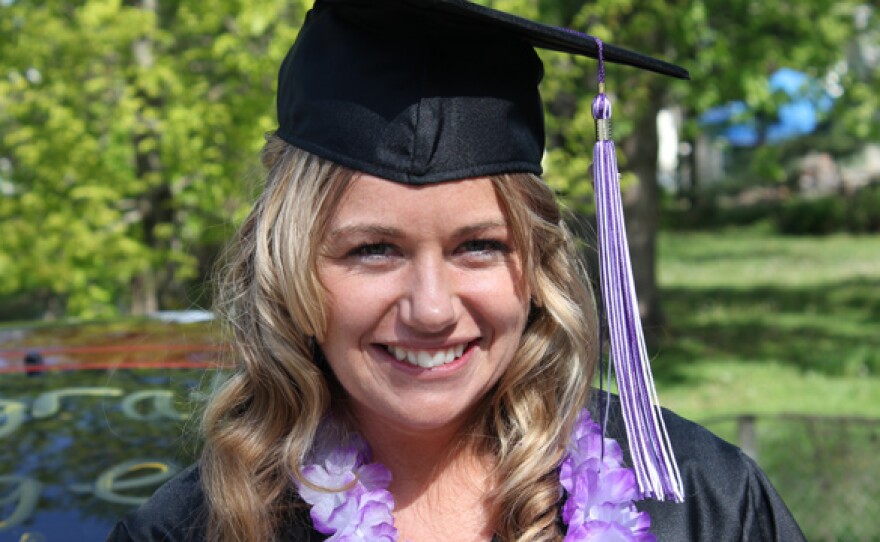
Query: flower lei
(599,505)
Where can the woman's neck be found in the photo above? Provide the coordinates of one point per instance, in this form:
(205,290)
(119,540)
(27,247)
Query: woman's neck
(416,458)
(438,481)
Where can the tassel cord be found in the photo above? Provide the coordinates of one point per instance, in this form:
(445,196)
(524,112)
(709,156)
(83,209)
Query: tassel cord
(656,470)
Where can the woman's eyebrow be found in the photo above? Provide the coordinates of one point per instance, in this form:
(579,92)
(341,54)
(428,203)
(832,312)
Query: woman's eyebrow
(380,230)
(480,227)
(365,229)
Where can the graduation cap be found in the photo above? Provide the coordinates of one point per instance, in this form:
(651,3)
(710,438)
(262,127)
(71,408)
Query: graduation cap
(426,91)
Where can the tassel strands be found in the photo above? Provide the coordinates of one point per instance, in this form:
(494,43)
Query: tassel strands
(656,470)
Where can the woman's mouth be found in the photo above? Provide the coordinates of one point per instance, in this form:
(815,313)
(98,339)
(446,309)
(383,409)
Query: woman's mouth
(427,359)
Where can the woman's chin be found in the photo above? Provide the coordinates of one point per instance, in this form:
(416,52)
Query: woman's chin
(428,418)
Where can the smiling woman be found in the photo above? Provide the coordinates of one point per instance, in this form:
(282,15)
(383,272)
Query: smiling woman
(353,300)
(415,335)
(427,302)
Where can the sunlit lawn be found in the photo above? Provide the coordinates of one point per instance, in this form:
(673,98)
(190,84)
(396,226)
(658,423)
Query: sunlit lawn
(762,323)
(769,325)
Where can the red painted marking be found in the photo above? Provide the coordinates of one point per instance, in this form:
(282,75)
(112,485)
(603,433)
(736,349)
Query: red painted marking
(112,365)
(114,349)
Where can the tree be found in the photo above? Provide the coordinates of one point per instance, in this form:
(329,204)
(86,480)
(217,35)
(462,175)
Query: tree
(129,130)
(730,48)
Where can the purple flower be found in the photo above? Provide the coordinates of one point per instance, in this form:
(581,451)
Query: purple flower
(374,476)
(600,531)
(600,490)
(373,520)
(628,517)
(331,479)
(349,500)
(586,443)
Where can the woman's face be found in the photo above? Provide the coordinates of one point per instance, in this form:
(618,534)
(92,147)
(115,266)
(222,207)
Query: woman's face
(426,305)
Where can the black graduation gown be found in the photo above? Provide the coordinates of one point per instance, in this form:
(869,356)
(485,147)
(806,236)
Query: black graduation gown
(727,498)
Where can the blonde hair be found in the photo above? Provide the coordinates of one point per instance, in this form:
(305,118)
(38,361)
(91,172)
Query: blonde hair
(261,423)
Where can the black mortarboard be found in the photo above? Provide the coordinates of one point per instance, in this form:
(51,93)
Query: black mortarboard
(422,91)
(425,91)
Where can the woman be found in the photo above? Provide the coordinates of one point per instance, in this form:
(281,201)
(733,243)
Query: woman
(394,274)
(415,336)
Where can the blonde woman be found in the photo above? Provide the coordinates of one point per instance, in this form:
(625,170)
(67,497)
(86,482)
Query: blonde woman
(415,336)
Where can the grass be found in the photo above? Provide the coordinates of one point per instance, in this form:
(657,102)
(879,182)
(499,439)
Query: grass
(769,325)
(758,322)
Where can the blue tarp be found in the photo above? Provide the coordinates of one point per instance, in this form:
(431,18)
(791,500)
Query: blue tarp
(800,116)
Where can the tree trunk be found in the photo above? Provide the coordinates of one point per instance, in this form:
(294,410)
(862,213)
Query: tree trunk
(144,294)
(642,210)
(153,202)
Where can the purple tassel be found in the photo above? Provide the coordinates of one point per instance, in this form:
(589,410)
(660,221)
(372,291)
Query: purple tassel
(656,469)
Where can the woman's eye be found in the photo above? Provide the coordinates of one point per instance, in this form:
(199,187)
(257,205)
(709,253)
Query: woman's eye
(484,247)
(373,251)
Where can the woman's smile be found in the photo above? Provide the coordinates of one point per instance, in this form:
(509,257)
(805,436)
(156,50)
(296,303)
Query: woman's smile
(426,297)
(428,358)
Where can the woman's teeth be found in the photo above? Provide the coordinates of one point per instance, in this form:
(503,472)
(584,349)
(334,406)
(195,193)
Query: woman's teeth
(425,359)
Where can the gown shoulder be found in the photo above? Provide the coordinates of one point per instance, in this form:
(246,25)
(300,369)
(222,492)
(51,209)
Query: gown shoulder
(727,496)
(175,513)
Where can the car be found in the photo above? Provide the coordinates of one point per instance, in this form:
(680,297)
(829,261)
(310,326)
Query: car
(94,417)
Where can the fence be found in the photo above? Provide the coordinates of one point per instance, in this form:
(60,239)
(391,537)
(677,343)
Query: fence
(827,469)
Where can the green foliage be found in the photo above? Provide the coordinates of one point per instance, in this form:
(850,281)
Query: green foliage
(864,210)
(856,213)
(127,137)
(128,134)
(730,48)
(718,208)
(819,216)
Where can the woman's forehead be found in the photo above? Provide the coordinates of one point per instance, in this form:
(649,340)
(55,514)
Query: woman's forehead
(370,200)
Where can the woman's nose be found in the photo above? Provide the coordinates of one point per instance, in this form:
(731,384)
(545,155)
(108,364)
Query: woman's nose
(430,303)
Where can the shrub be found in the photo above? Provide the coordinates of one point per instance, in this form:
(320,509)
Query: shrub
(864,210)
(857,213)
(811,216)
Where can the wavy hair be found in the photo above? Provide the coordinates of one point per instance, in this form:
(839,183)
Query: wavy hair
(261,423)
